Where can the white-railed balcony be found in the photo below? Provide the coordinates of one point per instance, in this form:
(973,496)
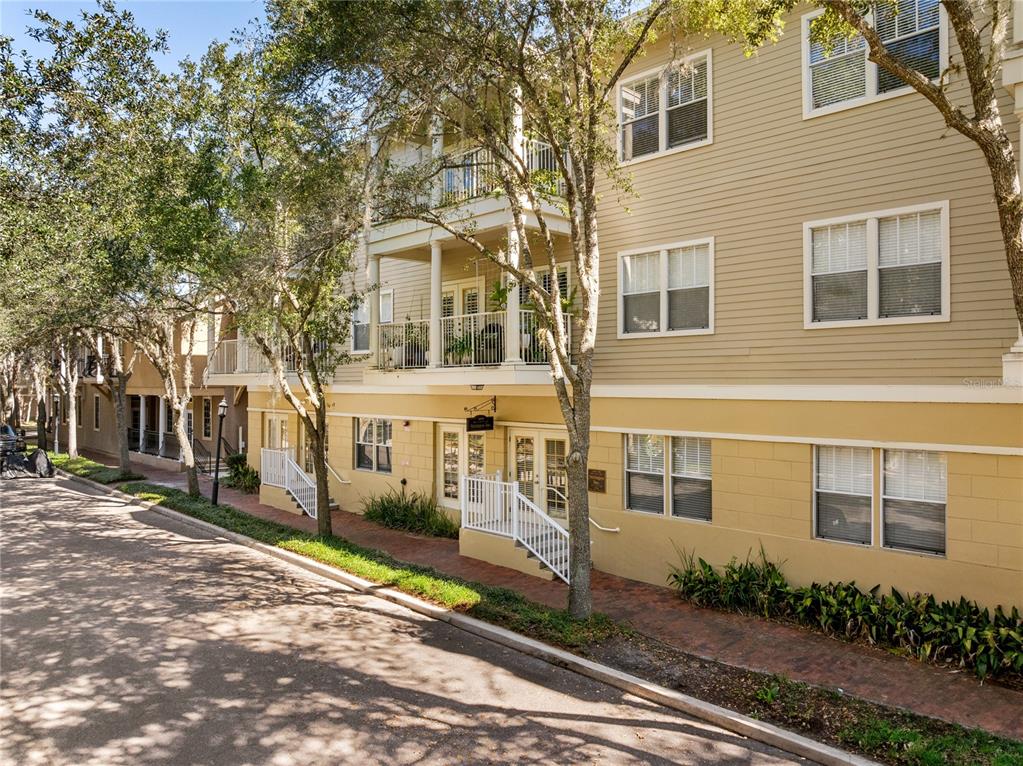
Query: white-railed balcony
(482,340)
(234,357)
(474,173)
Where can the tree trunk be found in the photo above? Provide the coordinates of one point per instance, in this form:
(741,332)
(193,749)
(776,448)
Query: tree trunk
(187,455)
(121,422)
(580,600)
(72,425)
(323,525)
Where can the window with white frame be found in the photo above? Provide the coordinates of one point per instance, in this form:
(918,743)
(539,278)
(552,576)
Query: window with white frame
(644,473)
(386,306)
(656,466)
(839,74)
(543,276)
(690,478)
(666,110)
(373,444)
(667,290)
(843,494)
(207,418)
(913,501)
(890,266)
(360,328)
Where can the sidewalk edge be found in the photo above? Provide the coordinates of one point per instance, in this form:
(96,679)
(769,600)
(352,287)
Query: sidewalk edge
(724,718)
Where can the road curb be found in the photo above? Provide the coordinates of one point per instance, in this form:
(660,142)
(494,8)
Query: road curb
(729,720)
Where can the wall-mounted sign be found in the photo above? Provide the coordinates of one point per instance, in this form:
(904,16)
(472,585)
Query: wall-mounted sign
(479,423)
(597,480)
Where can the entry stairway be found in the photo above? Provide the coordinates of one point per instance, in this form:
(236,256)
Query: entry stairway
(279,469)
(498,509)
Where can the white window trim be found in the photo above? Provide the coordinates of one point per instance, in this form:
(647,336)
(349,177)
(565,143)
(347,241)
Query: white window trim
(871,73)
(666,477)
(662,111)
(663,250)
(390,293)
(95,412)
(207,402)
(871,219)
(884,496)
(375,444)
(351,341)
(463,459)
(873,501)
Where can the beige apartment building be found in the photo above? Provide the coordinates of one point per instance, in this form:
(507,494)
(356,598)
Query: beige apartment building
(150,418)
(806,341)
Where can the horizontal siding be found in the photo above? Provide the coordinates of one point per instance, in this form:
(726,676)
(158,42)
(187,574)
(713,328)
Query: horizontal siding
(766,173)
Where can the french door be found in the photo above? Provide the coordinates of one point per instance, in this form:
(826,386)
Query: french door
(459,454)
(275,430)
(537,463)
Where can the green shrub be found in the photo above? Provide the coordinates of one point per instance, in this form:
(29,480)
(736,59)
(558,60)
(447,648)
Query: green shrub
(415,512)
(241,475)
(958,632)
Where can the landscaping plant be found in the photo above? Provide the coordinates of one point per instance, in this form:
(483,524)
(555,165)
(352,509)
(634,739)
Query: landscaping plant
(414,512)
(241,475)
(956,632)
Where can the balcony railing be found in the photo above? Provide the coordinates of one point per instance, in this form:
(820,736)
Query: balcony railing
(468,340)
(233,357)
(474,173)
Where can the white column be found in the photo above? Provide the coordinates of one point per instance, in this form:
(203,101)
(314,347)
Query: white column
(373,297)
(162,423)
(436,302)
(513,335)
(99,360)
(142,421)
(436,152)
(517,138)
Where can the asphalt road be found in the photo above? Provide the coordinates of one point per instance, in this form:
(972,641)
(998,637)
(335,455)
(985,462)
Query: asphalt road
(128,638)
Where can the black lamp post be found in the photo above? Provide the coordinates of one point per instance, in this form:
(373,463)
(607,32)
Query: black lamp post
(221,412)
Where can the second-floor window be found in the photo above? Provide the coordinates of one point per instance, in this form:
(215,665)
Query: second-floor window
(360,329)
(886,267)
(841,76)
(667,290)
(669,109)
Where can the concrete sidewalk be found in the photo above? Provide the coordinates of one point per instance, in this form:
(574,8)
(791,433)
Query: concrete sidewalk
(746,642)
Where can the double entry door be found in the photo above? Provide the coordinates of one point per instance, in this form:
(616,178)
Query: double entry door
(537,462)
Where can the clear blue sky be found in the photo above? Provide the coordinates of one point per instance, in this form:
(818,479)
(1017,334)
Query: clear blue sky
(191,25)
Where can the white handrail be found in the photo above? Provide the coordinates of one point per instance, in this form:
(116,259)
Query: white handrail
(499,508)
(279,469)
(605,529)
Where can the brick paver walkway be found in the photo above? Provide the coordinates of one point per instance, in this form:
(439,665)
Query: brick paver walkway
(746,642)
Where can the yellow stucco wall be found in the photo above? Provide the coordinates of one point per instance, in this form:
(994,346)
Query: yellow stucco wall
(762,489)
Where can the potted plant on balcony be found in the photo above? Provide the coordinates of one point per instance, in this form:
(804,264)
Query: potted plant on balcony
(459,349)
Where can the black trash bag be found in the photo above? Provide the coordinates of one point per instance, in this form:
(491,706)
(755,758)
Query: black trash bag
(40,464)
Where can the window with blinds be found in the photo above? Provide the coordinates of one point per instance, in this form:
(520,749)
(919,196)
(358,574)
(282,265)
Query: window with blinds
(644,473)
(913,501)
(887,266)
(689,287)
(909,262)
(543,276)
(667,290)
(687,104)
(641,117)
(373,444)
(641,292)
(839,72)
(690,478)
(843,494)
(668,110)
(839,272)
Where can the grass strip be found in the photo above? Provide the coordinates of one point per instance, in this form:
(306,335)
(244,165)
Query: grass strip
(500,606)
(90,469)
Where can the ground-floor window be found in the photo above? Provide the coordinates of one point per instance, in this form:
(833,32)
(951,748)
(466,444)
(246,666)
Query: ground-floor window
(373,444)
(207,418)
(843,494)
(307,452)
(95,412)
(78,410)
(658,465)
(913,501)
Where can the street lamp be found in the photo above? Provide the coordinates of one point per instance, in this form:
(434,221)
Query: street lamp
(221,412)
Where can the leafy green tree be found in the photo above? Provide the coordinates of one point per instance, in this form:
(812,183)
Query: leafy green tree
(286,174)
